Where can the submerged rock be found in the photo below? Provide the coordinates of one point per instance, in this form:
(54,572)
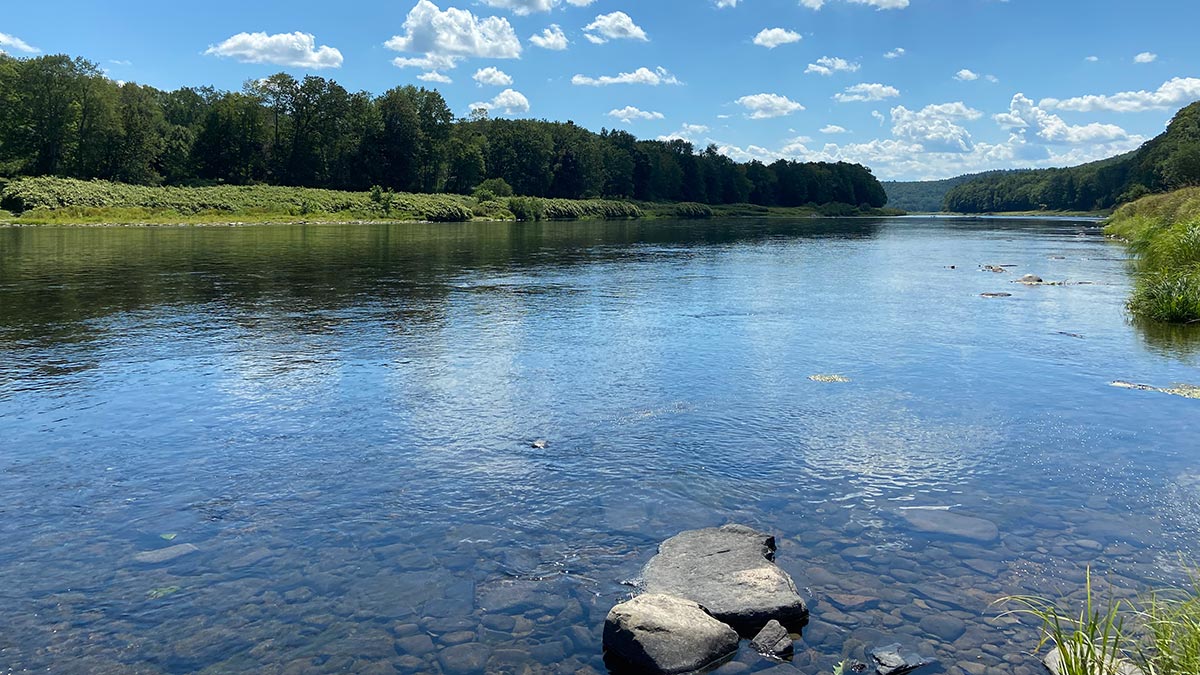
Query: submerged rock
(829,379)
(162,555)
(732,573)
(1030,279)
(996,295)
(1184,390)
(889,661)
(658,633)
(774,641)
(940,521)
(1114,666)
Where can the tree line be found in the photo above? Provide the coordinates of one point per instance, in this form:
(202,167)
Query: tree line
(1168,162)
(61,116)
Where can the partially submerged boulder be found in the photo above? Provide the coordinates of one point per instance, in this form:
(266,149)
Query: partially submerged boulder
(890,661)
(774,641)
(731,572)
(656,633)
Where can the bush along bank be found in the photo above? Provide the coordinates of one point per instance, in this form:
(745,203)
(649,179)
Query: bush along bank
(1163,232)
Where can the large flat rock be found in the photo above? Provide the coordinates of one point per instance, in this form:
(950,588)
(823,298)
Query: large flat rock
(657,633)
(941,521)
(731,572)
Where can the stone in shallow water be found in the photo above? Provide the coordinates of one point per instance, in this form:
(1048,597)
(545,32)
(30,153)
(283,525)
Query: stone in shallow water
(773,640)
(731,572)
(1054,663)
(889,661)
(464,659)
(944,626)
(163,555)
(657,633)
(940,521)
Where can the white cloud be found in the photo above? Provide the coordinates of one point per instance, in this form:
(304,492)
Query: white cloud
(1024,117)
(1145,57)
(773,37)
(765,106)
(834,129)
(447,38)
(935,127)
(8,42)
(526,7)
(1091,59)
(654,78)
(895,53)
(866,92)
(726,3)
(1174,93)
(434,76)
(828,65)
(615,26)
(965,75)
(492,76)
(687,132)
(508,102)
(552,38)
(877,4)
(629,113)
(298,50)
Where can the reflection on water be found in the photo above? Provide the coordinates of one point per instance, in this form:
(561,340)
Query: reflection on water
(341,421)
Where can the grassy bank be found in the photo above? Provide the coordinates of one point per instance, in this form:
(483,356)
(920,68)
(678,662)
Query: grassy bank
(1163,231)
(62,201)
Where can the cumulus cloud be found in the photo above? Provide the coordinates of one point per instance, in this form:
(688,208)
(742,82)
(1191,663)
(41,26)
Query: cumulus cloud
(688,132)
(654,78)
(552,38)
(773,37)
(434,76)
(1145,57)
(966,75)
(444,39)
(765,106)
(508,102)
(526,7)
(726,3)
(492,76)
(629,113)
(895,53)
(828,65)
(1174,93)
(834,129)
(297,50)
(1025,117)
(1091,59)
(877,4)
(615,26)
(866,92)
(10,42)
(935,127)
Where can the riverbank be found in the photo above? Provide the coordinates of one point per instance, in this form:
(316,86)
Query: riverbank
(61,201)
(1163,231)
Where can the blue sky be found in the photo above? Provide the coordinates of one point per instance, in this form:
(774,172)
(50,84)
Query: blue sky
(912,88)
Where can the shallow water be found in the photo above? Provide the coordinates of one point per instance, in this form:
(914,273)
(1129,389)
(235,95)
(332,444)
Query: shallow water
(341,421)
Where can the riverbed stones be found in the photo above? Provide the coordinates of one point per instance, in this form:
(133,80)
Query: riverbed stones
(731,571)
(774,641)
(890,661)
(1054,663)
(657,633)
(946,627)
(941,521)
(163,555)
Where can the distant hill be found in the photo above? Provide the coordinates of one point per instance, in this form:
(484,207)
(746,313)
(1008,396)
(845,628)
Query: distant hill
(926,196)
(1168,162)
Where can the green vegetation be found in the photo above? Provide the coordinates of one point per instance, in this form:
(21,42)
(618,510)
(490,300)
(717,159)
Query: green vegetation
(62,117)
(926,196)
(1168,162)
(1163,637)
(1163,231)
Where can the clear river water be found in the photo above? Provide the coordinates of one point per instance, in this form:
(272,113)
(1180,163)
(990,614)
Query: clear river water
(311,449)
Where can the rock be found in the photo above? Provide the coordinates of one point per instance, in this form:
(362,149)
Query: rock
(1030,279)
(773,640)
(657,633)
(889,661)
(464,659)
(731,572)
(1054,663)
(163,555)
(540,444)
(940,521)
(852,603)
(945,627)
(995,295)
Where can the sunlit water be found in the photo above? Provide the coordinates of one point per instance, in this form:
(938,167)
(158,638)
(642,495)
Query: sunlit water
(341,420)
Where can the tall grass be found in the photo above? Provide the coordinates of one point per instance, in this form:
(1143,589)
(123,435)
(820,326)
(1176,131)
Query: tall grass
(1163,232)
(1171,619)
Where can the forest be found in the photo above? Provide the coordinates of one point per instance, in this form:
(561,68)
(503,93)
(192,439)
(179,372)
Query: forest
(61,116)
(1168,162)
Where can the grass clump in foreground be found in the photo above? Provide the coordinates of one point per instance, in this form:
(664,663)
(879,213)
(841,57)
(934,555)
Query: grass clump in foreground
(1163,231)
(1163,637)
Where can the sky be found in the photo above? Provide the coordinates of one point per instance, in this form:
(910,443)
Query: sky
(914,89)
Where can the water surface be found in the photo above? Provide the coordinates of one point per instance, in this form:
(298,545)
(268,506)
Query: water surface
(341,420)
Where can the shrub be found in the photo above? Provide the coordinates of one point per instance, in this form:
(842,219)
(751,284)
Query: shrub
(693,210)
(492,188)
(526,209)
